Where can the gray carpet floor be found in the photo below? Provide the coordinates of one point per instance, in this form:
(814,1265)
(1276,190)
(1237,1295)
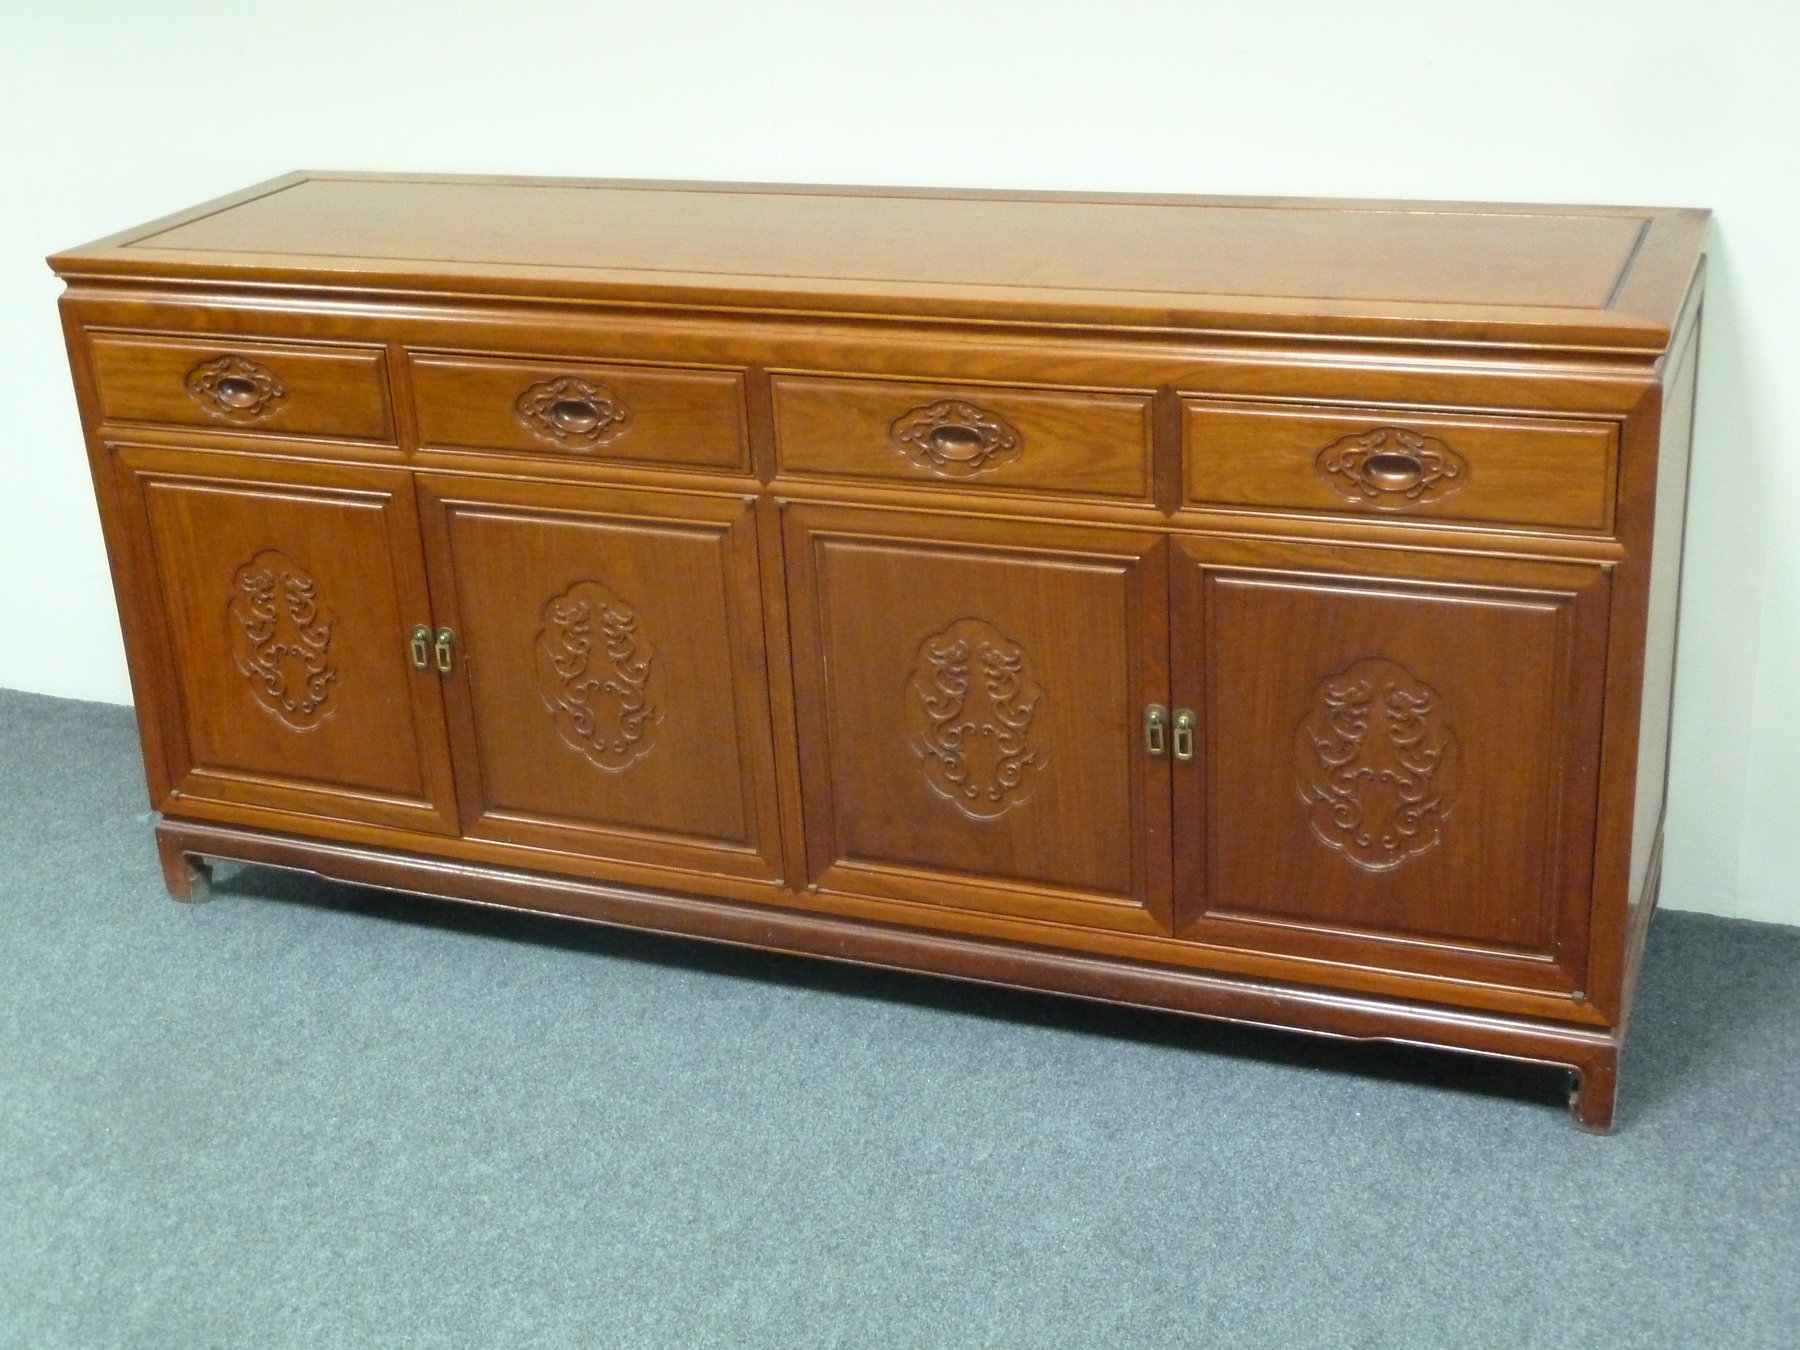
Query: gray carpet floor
(314,1116)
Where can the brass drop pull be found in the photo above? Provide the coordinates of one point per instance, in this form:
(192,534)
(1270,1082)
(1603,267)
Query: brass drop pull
(1156,729)
(421,646)
(446,642)
(1184,734)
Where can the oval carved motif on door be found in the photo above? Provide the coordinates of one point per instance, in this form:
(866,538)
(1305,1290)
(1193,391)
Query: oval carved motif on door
(594,667)
(971,700)
(1377,764)
(281,639)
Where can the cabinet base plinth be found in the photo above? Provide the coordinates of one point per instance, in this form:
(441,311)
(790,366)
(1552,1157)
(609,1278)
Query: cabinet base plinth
(1592,1054)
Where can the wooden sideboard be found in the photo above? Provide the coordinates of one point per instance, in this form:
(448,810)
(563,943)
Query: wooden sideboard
(1257,609)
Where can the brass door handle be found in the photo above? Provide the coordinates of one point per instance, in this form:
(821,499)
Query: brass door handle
(421,646)
(1156,729)
(446,642)
(1184,734)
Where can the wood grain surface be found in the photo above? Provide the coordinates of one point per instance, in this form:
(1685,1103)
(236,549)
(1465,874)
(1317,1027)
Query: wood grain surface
(1253,608)
(1489,272)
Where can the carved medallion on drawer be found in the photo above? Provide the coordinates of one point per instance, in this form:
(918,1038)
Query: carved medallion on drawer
(1391,468)
(281,639)
(234,388)
(593,668)
(572,413)
(970,703)
(1377,764)
(954,439)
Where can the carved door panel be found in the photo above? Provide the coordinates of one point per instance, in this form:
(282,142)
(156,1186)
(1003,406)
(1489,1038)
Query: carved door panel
(610,696)
(1394,773)
(281,598)
(971,696)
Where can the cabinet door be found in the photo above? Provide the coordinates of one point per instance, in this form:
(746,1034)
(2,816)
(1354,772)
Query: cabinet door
(1398,758)
(281,595)
(610,696)
(971,696)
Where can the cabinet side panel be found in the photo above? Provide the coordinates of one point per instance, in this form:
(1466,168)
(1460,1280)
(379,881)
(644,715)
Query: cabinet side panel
(152,694)
(1665,595)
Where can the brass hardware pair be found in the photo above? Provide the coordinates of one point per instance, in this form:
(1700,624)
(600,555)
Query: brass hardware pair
(425,649)
(1157,728)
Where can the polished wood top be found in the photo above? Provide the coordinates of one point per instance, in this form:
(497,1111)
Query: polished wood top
(1567,276)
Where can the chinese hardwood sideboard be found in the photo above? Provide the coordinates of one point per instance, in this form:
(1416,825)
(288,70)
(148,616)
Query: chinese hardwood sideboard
(1259,609)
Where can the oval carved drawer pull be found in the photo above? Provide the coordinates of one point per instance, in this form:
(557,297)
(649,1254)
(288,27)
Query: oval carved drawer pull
(235,387)
(954,439)
(1391,468)
(572,413)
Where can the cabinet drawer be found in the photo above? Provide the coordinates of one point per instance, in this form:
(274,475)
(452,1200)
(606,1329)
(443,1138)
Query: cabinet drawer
(640,414)
(251,386)
(1026,440)
(1521,471)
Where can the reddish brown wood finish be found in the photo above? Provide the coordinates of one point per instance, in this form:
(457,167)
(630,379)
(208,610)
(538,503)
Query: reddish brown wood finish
(648,415)
(1596,276)
(1062,441)
(1429,713)
(186,874)
(971,694)
(797,567)
(610,696)
(1402,464)
(285,389)
(282,596)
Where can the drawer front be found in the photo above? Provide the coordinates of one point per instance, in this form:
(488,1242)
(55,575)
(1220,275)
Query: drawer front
(339,391)
(1022,440)
(638,414)
(1400,465)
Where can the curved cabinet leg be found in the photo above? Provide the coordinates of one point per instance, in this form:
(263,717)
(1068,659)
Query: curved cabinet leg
(187,875)
(1596,1085)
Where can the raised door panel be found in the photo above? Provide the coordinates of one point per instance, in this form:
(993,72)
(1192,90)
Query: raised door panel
(283,596)
(611,693)
(971,696)
(1397,758)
